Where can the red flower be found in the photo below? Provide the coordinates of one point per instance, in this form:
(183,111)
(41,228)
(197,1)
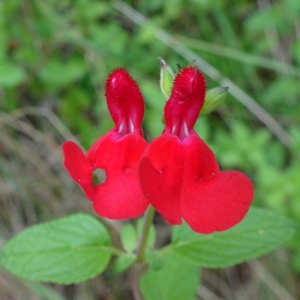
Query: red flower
(117,153)
(179,173)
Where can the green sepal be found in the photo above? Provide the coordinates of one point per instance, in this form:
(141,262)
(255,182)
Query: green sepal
(213,98)
(166,78)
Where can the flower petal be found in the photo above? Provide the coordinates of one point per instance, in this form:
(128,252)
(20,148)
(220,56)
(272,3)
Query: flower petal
(120,196)
(200,161)
(78,167)
(211,200)
(117,153)
(160,172)
(125,101)
(217,204)
(187,98)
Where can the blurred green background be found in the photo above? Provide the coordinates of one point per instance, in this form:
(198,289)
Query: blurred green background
(54,60)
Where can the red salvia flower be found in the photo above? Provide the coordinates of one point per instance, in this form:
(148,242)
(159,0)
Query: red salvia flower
(179,173)
(117,153)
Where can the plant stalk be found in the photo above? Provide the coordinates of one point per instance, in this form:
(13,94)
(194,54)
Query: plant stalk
(140,252)
(148,218)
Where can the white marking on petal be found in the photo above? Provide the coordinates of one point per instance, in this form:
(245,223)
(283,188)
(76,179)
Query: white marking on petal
(131,126)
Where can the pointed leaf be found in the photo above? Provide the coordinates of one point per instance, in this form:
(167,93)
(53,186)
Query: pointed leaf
(65,251)
(260,232)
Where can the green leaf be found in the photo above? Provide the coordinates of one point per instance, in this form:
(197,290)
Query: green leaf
(283,88)
(264,19)
(128,237)
(123,262)
(3,40)
(11,75)
(65,251)
(62,73)
(154,259)
(260,232)
(296,51)
(176,280)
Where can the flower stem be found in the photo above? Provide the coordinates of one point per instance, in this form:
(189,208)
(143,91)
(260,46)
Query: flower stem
(148,218)
(136,271)
(140,252)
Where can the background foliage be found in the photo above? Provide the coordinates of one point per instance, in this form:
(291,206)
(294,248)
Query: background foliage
(54,59)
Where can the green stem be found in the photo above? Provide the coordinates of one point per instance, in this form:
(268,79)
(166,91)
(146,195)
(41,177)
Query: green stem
(148,218)
(116,251)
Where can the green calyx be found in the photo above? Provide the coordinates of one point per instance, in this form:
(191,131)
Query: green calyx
(166,78)
(213,98)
